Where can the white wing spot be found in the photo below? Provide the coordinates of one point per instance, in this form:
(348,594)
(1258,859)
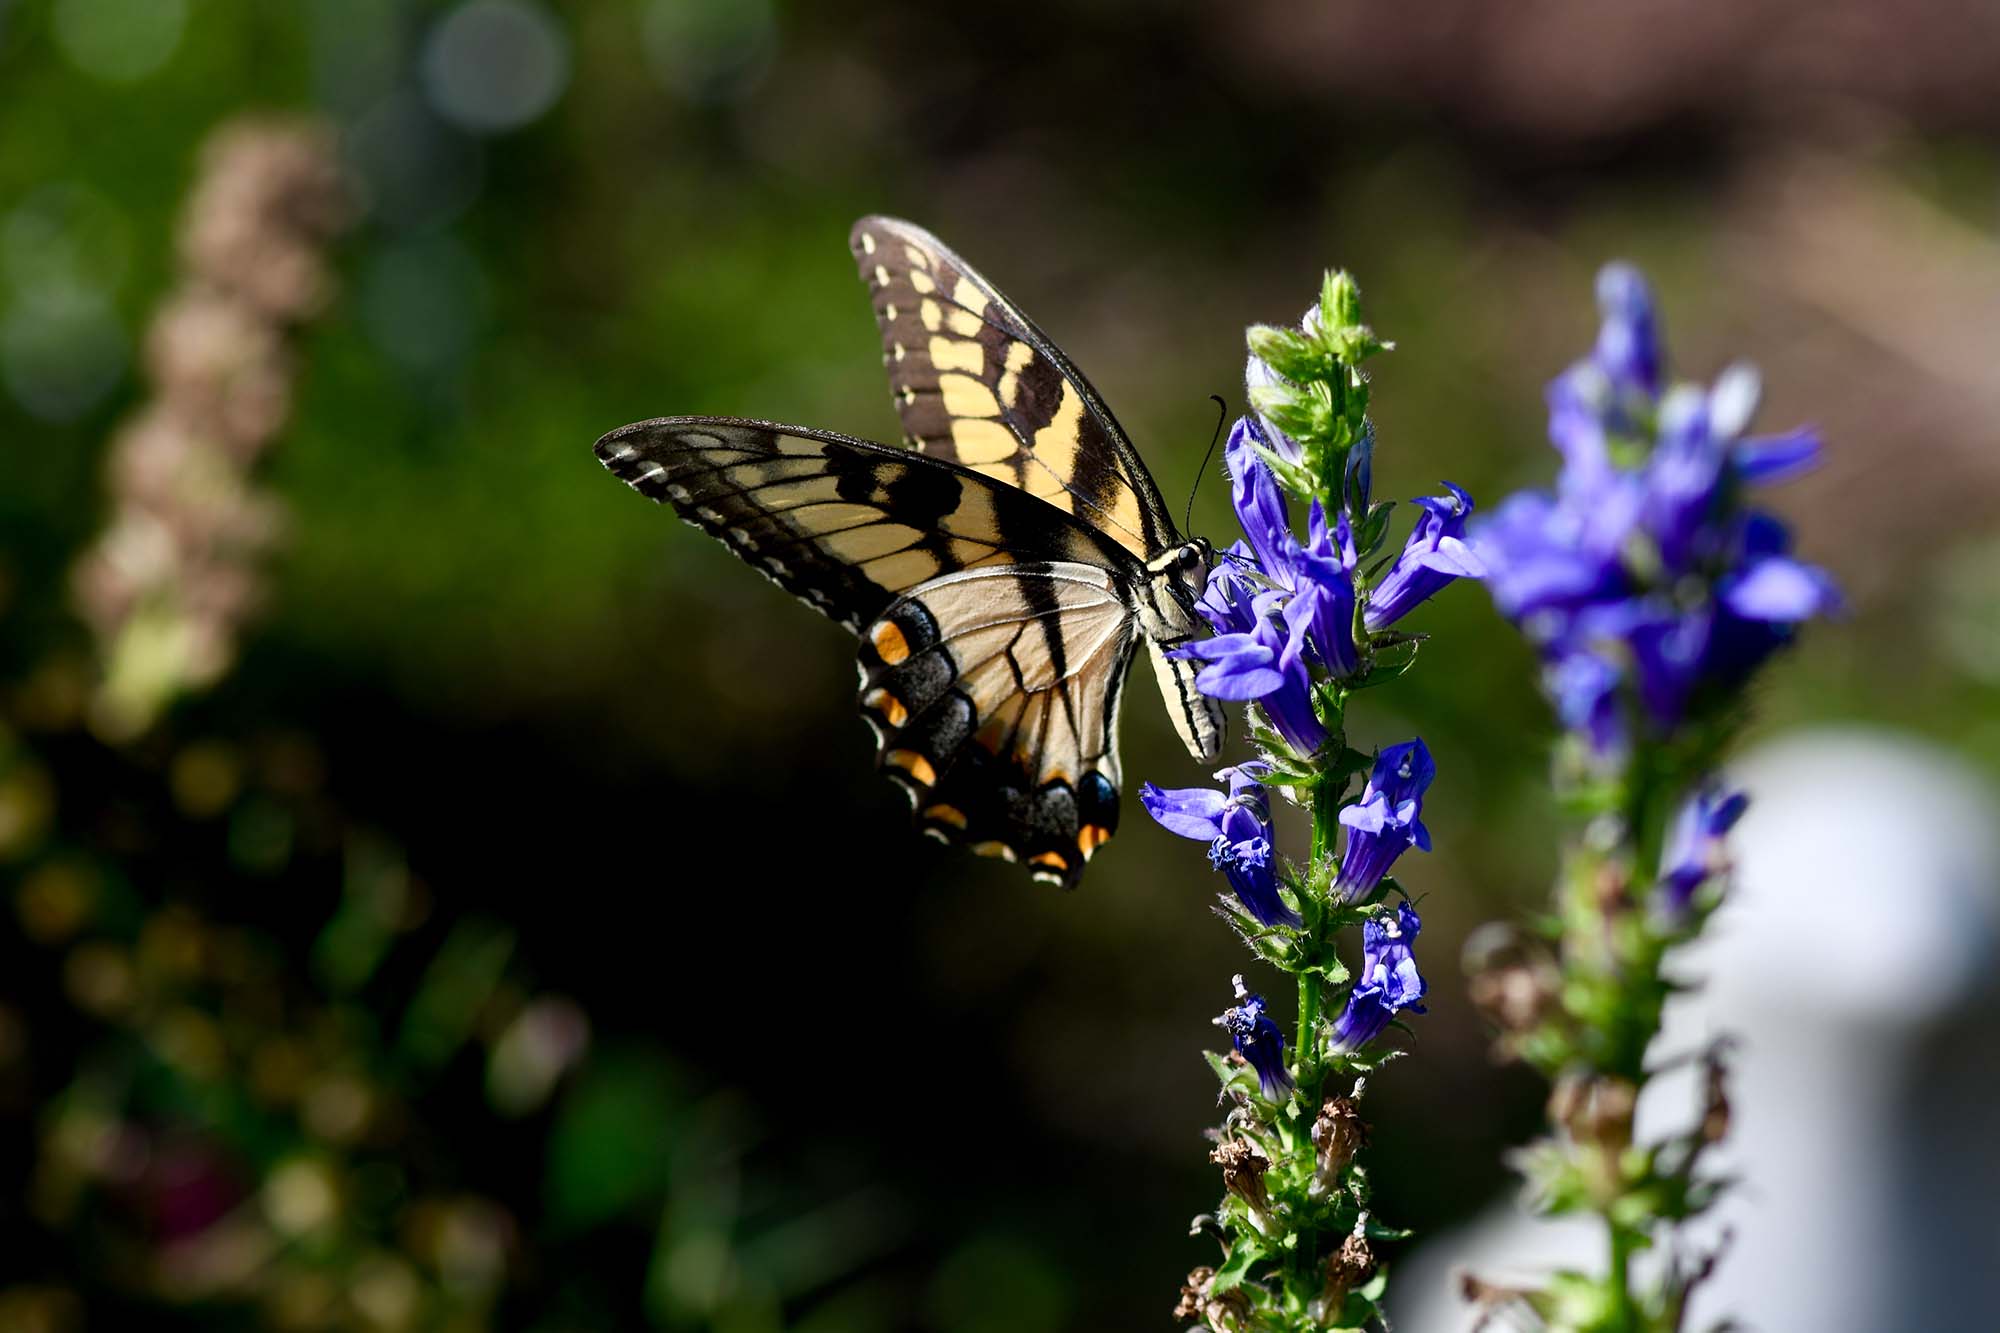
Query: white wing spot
(709,516)
(867,243)
(889,312)
(881,276)
(677,492)
(743,539)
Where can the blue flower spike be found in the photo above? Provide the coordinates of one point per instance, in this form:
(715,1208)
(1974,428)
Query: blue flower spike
(1648,579)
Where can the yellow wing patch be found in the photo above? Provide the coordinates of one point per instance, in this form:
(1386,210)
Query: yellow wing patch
(977,383)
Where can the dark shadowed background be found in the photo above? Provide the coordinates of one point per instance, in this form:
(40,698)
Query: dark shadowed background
(512,933)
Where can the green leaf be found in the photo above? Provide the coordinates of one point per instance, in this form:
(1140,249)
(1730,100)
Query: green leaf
(609,1151)
(1246,1251)
(1375,1230)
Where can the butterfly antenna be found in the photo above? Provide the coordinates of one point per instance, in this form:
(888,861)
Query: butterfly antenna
(1221,415)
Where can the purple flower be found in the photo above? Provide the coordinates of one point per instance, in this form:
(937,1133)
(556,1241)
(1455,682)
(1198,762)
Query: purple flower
(1694,844)
(1385,823)
(1237,829)
(1388,982)
(1226,603)
(1768,458)
(1647,580)
(1267,665)
(1545,558)
(1762,600)
(1435,554)
(1360,477)
(1258,1040)
(1323,597)
(1628,347)
(1260,505)
(1584,688)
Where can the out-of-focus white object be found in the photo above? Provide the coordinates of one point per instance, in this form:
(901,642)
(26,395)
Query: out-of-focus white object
(1855,959)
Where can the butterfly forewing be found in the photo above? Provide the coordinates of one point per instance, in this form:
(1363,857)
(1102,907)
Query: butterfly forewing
(975,382)
(845,525)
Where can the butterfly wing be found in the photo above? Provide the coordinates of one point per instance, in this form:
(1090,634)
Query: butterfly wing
(977,383)
(843,524)
(995,630)
(994,697)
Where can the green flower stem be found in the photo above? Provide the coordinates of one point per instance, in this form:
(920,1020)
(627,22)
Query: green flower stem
(1619,1278)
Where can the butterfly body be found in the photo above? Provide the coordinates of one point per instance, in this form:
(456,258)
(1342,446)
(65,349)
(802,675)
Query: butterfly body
(999,575)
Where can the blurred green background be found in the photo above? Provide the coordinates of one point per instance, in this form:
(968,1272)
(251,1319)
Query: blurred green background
(514,935)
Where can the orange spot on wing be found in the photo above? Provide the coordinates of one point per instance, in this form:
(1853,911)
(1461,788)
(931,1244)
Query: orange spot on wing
(888,705)
(946,814)
(1090,837)
(995,848)
(912,763)
(1054,859)
(890,645)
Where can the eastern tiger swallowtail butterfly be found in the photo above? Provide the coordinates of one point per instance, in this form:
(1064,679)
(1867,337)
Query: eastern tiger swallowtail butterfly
(999,571)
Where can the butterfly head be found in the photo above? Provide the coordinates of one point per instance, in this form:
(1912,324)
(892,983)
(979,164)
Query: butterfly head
(1179,576)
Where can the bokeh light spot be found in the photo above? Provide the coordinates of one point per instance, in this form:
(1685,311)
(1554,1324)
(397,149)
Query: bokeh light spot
(419,171)
(709,50)
(61,352)
(423,302)
(119,41)
(65,234)
(493,65)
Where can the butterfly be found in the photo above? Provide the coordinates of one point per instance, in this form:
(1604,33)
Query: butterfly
(999,569)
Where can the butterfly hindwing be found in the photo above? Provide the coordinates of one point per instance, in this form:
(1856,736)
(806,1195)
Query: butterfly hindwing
(977,383)
(845,525)
(994,697)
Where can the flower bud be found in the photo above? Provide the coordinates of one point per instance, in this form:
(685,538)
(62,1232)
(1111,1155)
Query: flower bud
(1353,1265)
(1511,980)
(1224,1313)
(1243,1169)
(1338,1134)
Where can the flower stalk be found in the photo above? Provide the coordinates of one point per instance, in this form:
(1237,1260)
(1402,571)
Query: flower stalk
(1652,591)
(1301,625)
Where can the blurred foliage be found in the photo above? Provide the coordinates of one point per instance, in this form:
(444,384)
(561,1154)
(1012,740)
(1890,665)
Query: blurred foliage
(505,735)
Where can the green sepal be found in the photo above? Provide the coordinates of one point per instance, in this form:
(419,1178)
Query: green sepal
(1374,1230)
(1349,763)
(1292,353)
(1291,476)
(1229,1275)
(1372,529)
(1231,1076)
(1390,663)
